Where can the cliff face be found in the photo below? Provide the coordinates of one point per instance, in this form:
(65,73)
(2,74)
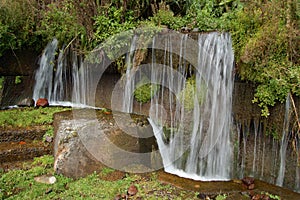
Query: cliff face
(18,63)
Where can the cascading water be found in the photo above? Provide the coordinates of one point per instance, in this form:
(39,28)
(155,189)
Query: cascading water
(60,83)
(284,143)
(129,78)
(194,142)
(198,144)
(44,75)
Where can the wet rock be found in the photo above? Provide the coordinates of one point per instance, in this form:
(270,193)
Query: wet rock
(85,145)
(27,102)
(132,190)
(42,102)
(248,182)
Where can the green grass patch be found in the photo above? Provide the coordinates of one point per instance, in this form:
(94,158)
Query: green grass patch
(25,117)
(145,90)
(20,184)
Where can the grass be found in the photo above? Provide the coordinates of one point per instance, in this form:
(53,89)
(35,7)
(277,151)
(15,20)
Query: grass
(26,117)
(20,184)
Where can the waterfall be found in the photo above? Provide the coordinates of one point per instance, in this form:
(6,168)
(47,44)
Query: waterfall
(284,142)
(198,145)
(191,114)
(44,75)
(66,82)
(129,78)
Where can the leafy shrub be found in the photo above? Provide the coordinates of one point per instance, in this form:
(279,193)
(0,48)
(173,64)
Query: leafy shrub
(110,22)
(17,24)
(60,21)
(167,18)
(264,54)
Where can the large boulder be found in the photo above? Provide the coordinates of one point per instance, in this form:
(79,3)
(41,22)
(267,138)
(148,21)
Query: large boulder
(88,140)
(42,102)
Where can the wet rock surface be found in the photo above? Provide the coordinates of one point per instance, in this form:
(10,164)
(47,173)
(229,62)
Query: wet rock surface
(234,190)
(42,102)
(87,140)
(27,102)
(248,182)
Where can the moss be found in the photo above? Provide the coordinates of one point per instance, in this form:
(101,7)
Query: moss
(187,95)
(25,117)
(145,90)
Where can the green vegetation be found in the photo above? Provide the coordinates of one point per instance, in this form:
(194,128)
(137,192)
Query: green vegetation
(145,91)
(265,38)
(26,117)
(20,184)
(187,95)
(265,34)
(221,197)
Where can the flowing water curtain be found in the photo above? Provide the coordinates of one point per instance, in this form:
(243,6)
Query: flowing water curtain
(195,142)
(64,79)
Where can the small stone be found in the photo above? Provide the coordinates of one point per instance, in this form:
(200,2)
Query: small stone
(45,179)
(42,102)
(251,186)
(132,190)
(27,102)
(248,181)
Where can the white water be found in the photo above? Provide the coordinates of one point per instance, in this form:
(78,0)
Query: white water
(129,78)
(198,145)
(63,83)
(44,75)
(284,143)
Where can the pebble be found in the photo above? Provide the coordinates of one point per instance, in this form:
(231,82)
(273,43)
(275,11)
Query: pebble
(132,190)
(45,179)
